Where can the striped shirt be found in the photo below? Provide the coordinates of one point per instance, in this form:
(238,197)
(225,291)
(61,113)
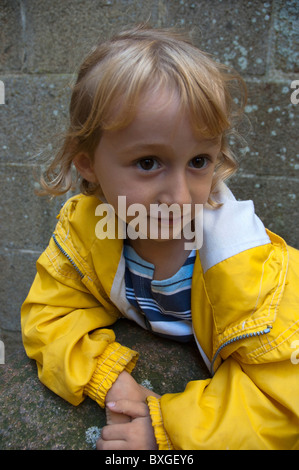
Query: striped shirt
(166,304)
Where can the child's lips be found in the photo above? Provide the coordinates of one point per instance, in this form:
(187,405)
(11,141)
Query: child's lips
(171,221)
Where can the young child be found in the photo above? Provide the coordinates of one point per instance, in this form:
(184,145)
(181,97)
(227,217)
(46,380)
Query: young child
(150,118)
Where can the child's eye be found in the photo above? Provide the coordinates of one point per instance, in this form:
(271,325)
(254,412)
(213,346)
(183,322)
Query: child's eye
(199,162)
(148,164)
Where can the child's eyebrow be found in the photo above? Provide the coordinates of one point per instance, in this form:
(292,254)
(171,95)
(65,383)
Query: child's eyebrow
(212,141)
(142,147)
(146,145)
(153,148)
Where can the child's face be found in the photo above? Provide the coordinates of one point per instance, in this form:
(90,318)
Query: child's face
(157,158)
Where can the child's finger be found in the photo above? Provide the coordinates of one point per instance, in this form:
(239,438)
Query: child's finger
(114,432)
(134,409)
(116,418)
(111,445)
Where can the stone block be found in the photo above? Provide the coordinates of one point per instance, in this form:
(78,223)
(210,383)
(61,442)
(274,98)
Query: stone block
(11,36)
(270,131)
(59,34)
(234,32)
(17,274)
(286,36)
(12,340)
(28,220)
(275,200)
(34,116)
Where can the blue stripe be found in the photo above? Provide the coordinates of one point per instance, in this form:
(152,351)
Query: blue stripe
(166,304)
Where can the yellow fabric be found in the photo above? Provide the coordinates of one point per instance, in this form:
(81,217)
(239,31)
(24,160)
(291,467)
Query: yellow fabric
(112,362)
(245,317)
(239,409)
(161,435)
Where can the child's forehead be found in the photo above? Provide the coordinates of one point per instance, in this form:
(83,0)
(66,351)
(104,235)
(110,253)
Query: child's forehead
(150,103)
(157,106)
(151,97)
(158,123)
(159,100)
(154,107)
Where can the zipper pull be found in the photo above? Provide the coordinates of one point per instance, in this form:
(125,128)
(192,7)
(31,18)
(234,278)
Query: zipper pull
(268,329)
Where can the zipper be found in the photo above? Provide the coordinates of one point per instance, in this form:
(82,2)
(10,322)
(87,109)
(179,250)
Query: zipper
(67,256)
(238,338)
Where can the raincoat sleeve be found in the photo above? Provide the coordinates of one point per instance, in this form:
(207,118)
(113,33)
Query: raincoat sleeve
(64,329)
(241,407)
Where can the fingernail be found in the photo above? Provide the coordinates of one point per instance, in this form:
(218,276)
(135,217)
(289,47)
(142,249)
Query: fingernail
(111,404)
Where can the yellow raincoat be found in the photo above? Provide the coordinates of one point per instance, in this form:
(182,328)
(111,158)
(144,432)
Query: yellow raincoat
(245,315)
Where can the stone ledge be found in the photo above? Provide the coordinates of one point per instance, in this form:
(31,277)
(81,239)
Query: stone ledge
(34,418)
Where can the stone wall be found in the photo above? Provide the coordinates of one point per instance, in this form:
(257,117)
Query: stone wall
(41,45)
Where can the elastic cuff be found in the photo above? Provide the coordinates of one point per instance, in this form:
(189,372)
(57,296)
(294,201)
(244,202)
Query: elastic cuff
(162,438)
(111,363)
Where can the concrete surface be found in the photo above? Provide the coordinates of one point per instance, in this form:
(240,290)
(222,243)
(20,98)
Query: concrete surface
(32,417)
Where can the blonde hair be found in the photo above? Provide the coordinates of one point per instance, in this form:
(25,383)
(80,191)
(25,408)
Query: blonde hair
(114,75)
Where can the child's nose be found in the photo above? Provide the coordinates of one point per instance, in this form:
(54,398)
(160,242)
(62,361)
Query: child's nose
(176,189)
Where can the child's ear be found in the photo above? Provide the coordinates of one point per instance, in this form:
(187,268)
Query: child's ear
(84,166)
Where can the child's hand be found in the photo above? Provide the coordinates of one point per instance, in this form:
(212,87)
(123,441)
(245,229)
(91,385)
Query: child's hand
(125,388)
(138,434)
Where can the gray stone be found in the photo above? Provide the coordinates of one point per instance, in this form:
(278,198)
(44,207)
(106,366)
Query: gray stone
(234,32)
(28,220)
(11,39)
(16,276)
(34,117)
(270,130)
(286,33)
(275,200)
(59,34)
(32,417)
